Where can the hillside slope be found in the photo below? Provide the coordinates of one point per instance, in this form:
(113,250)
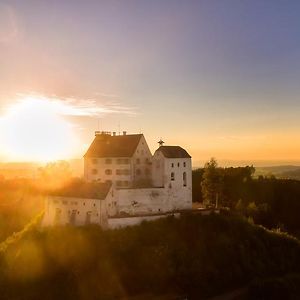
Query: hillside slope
(198,256)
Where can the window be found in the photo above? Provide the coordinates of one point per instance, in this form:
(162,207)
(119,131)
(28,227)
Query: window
(184,164)
(184,178)
(108,161)
(122,172)
(125,183)
(88,218)
(108,172)
(94,161)
(172,165)
(94,171)
(178,165)
(122,161)
(138,161)
(138,172)
(73,217)
(57,216)
(119,183)
(172,176)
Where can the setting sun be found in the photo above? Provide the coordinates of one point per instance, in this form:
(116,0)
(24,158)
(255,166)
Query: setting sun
(34,130)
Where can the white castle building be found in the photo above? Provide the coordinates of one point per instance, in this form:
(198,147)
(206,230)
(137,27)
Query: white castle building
(124,184)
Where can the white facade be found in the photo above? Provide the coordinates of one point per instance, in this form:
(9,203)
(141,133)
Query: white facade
(78,211)
(151,186)
(122,171)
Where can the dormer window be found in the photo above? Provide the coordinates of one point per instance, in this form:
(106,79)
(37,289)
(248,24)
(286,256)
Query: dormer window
(172,176)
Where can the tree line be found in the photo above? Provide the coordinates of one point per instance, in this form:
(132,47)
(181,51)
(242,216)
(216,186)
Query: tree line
(271,202)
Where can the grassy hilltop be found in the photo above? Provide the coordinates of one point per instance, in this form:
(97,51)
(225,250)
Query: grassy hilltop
(197,256)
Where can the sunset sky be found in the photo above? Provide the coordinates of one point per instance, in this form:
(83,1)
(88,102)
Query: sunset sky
(219,78)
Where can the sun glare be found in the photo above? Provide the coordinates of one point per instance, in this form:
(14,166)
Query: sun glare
(33,130)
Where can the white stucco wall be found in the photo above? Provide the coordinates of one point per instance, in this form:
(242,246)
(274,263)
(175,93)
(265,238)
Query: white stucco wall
(152,200)
(138,166)
(142,161)
(80,208)
(101,166)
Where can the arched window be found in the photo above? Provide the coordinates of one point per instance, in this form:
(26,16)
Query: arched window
(172,176)
(184,178)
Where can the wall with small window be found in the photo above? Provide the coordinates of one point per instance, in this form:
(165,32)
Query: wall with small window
(78,211)
(112,169)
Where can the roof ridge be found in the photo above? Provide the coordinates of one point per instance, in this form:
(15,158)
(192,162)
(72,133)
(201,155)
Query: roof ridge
(114,145)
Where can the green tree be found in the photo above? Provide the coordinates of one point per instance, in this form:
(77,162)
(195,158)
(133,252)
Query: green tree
(212,183)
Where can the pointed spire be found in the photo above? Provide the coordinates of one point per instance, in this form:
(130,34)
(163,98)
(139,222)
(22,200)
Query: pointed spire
(160,142)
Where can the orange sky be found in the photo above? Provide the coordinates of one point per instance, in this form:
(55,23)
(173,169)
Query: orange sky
(219,80)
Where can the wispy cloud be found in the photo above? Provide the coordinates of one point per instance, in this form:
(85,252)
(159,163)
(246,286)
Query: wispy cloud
(72,106)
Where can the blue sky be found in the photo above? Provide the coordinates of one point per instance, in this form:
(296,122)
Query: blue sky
(219,77)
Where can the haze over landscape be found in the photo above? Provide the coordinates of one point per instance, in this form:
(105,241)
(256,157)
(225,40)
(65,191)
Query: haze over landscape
(219,81)
(149,150)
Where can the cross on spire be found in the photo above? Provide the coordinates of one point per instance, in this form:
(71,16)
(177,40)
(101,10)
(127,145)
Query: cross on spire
(160,142)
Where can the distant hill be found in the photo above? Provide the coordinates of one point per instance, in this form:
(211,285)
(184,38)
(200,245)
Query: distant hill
(10,170)
(193,257)
(286,172)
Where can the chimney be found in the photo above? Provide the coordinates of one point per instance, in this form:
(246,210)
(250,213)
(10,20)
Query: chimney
(114,133)
(124,132)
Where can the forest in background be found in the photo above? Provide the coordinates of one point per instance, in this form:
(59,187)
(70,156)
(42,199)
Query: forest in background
(265,200)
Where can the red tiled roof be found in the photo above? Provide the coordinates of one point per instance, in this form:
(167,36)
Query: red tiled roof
(173,152)
(113,146)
